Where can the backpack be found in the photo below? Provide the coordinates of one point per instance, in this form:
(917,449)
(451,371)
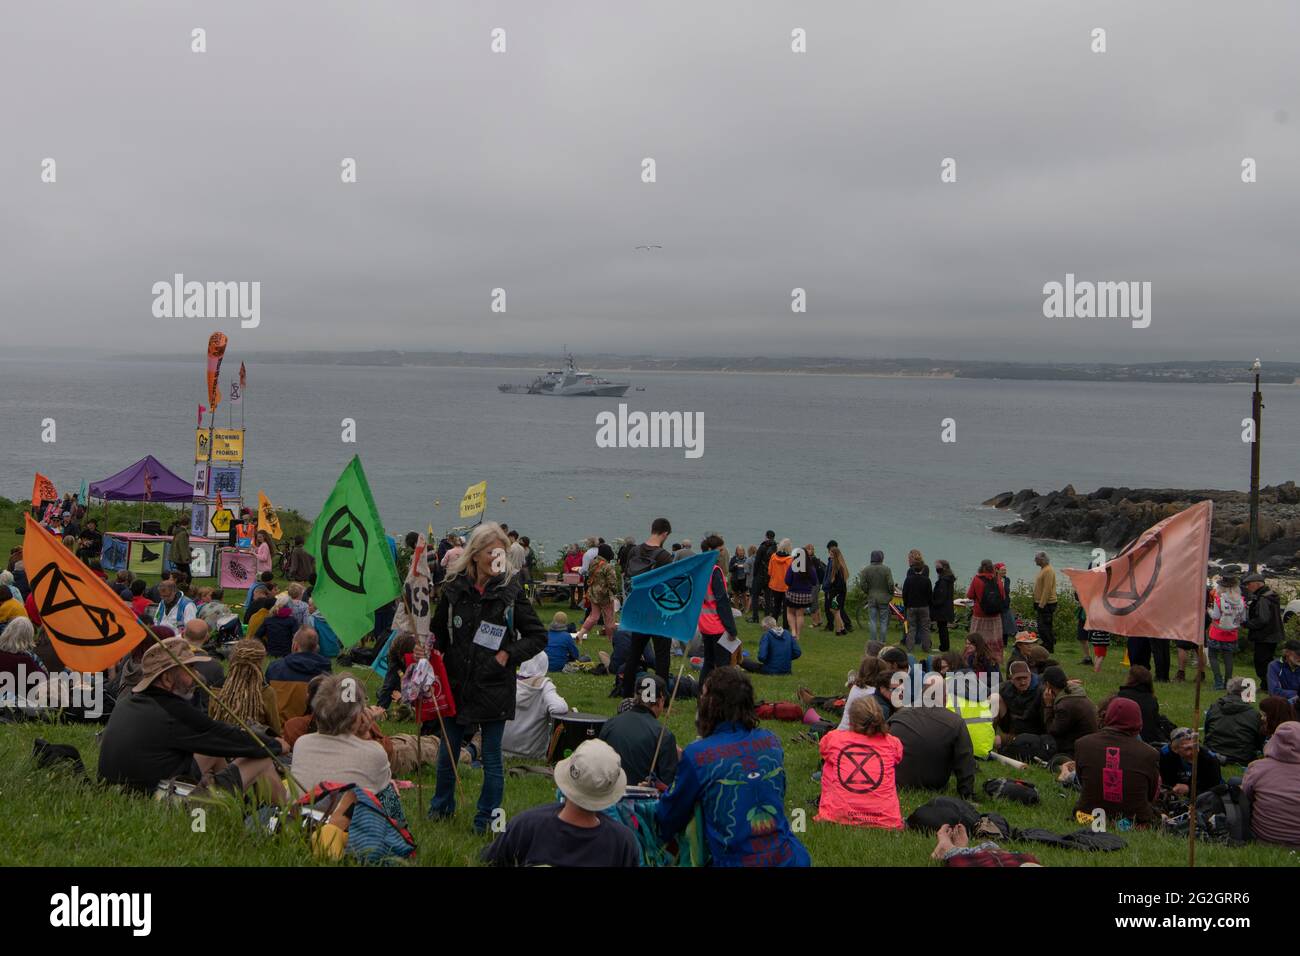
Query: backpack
(372,835)
(991,599)
(638,562)
(1021,791)
(929,817)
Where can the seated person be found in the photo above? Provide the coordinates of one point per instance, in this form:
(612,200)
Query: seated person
(1232,726)
(1117,772)
(298,609)
(155,734)
(1176,764)
(735,773)
(399,648)
(536,702)
(954,849)
(277,628)
(1067,711)
(215,608)
(210,671)
(575,832)
(1273,713)
(342,748)
(304,660)
(979,657)
(258,607)
(622,647)
(245,692)
(560,645)
(11,608)
(140,603)
(1273,785)
(1021,711)
(936,745)
(637,735)
(777,649)
(858,766)
(1140,689)
(18,653)
(1284,673)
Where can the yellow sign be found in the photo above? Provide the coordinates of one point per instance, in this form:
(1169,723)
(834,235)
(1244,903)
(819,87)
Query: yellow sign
(267,520)
(475,501)
(227,445)
(222,519)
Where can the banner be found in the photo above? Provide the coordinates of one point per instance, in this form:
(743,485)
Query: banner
(81,493)
(238,569)
(267,520)
(201,479)
(417,594)
(43,490)
(225,480)
(1156,586)
(220,520)
(667,601)
(200,559)
(355,573)
(236,393)
(199,520)
(112,554)
(475,501)
(146,557)
(216,352)
(90,626)
(227,445)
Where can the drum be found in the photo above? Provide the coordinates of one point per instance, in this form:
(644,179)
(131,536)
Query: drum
(569,731)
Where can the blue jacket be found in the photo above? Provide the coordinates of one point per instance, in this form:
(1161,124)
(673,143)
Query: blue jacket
(302,666)
(330,645)
(1283,681)
(560,649)
(776,651)
(738,779)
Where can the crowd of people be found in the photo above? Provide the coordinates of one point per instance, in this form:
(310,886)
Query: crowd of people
(278,720)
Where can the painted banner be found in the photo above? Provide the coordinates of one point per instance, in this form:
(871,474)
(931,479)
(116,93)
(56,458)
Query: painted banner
(267,520)
(236,393)
(199,520)
(238,569)
(201,479)
(227,445)
(200,559)
(225,480)
(417,595)
(43,490)
(667,601)
(221,520)
(1156,586)
(89,626)
(475,501)
(216,352)
(146,557)
(112,554)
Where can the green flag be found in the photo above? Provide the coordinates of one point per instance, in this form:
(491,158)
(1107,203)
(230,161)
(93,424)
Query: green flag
(355,573)
(81,494)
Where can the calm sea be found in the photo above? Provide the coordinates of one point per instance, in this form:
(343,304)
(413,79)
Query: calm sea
(812,457)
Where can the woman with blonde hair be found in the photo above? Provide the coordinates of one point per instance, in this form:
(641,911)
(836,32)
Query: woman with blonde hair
(245,691)
(485,627)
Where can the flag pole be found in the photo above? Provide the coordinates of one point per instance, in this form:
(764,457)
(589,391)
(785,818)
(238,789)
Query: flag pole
(667,713)
(419,724)
(1196,762)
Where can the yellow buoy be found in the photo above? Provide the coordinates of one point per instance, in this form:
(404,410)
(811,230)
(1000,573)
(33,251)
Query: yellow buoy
(570,497)
(437,503)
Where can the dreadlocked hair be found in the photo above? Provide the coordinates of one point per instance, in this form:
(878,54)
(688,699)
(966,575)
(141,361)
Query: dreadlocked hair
(242,692)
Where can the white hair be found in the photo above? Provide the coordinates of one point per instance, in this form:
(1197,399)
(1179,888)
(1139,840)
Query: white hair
(18,636)
(479,540)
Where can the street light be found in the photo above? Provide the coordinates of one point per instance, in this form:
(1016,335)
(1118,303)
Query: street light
(1257,406)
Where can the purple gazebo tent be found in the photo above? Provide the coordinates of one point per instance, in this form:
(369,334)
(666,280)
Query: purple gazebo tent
(129,484)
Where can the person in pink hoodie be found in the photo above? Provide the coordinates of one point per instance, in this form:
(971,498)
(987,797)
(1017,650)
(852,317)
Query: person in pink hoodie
(858,784)
(1273,785)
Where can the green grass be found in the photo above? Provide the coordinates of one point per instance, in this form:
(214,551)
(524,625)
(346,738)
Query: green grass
(50,819)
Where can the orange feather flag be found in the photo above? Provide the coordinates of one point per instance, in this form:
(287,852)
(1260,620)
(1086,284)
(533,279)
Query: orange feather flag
(90,627)
(43,490)
(216,352)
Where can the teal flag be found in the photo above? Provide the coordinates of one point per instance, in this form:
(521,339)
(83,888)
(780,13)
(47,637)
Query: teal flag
(667,600)
(355,572)
(81,495)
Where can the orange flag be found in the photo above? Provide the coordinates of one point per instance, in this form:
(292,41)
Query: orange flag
(43,490)
(90,626)
(216,352)
(1156,586)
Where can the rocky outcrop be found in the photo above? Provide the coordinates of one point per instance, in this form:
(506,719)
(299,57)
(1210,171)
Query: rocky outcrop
(1112,517)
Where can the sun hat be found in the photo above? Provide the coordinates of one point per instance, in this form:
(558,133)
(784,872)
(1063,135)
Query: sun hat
(592,777)
(1026,637)
(156,660)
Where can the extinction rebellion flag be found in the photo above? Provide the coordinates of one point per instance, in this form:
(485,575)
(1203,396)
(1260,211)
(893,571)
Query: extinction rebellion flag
(90,626)
(355,573)
(43,490)
(267,519)
(667,600)
(1156,586)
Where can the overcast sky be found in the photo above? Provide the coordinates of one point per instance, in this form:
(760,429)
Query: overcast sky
(775,170)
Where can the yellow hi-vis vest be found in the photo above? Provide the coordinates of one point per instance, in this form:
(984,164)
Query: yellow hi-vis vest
(978,718)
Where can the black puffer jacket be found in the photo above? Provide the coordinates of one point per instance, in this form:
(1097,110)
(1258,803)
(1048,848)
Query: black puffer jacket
(482,688)
(1232,729)
(941,598)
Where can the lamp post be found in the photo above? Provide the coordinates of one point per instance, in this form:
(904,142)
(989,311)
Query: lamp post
(1257,406)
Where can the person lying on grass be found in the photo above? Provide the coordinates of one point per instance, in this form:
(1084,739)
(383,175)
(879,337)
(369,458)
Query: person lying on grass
(953,847)
(858,770)
(156,734)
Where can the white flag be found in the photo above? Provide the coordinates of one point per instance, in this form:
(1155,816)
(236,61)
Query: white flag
(417,594)
(236,393)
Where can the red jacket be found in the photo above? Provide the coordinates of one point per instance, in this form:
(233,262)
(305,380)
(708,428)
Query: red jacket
(976,591)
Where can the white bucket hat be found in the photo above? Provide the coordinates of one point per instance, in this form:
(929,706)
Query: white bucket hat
(592,777)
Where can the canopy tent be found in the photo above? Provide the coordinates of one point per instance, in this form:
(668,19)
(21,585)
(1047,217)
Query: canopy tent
(129,484)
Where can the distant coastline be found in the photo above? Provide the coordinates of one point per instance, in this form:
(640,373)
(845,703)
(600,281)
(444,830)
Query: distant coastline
(1196,373)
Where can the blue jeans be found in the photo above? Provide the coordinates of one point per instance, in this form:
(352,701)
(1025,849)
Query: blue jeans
(878,620)
(443,803)
(1216,651)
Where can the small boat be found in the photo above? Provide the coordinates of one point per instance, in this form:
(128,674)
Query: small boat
(569,382)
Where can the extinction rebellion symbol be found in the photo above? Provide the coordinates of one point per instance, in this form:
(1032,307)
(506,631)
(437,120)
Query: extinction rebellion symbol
(673,595)
(1124,593)
(55,612)
(339,531)
(859,768)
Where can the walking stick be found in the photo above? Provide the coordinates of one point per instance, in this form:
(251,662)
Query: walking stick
(1196,761)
